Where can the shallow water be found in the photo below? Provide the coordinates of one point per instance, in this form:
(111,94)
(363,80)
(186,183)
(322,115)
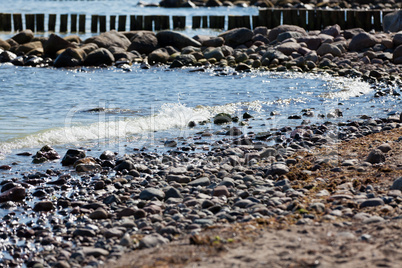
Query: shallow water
(111,107)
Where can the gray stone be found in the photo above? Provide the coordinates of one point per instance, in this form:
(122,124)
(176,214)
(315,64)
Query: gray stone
(110,39)
(152,240)
(159,55)
(84,232)
(23,37)
(362,41)
(376,156)
(273,34)
(71,57)
(397,184)
(392,22)
(100,56)
(113,232)
(333,30)
(385,147)
(54,44)
(278,169)
(98,214)
(209,41)
(204,181)
(237,36)
(329,49)
(397,40)
(175,39)
(125,164)
(288,48)
(312,42)
(150,193)
(143,41)
(96,252)
(214,53)
(397,55)
(43,206)
(372,202)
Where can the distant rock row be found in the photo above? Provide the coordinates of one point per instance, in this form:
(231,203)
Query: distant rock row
(352,52)
(334,4)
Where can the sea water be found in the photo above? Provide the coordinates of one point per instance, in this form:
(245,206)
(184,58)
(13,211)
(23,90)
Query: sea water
(113,108)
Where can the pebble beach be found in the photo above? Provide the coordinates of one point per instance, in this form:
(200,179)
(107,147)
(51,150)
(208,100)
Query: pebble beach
(324,191)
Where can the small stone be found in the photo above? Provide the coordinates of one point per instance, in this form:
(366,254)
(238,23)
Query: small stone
(397,184)
(150,193)
(152,240)
(84,232)
(204,181)
(98,214)
(372,202)
(96,252)
(221,190)
(376,156)
(278,169)
(43,206)
(385,147)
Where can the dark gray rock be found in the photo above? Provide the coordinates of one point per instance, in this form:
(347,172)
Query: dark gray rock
(385,147)
(125,164)
(23,37)
(397,184)
(71,57)
(236,37)
(54,44)
(96,252)
(152,240)
(17,193)
(110,39)
(362,41)
(71,156)
(98,57)
(150,193)
(204,181)
(144,42)
(43,206)
(273,34)
(175,39)
(159,55)
(375,157)
(278,169)
(392,22)
(372,202)
(84,232)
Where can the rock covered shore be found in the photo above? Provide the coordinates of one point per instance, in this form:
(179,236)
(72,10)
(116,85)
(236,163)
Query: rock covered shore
(376,57)
(331,4)
(102,207)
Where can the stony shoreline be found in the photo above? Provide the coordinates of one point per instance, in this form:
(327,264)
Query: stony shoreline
(374,57)
(332,4)
(101,208)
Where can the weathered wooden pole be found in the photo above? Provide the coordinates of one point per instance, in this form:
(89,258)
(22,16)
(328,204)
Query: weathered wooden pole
(30,21)
(17,19)
(63,23)
(73,23)
(102,24)
(82,21)
(122,23)
(52,23)
(94,23)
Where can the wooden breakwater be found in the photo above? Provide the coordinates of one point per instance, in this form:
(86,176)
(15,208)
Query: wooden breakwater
(316,19)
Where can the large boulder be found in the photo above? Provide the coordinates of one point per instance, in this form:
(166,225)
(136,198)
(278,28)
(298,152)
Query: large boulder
(100,56)
(312,42)
(362,41)
(144,42)
(159,55)
(216,53)
(23,37)
(397,56)
(17,193)
(392,22)
(54,44)
(25,48)
(110,39)
(172,3)
(209,41)
(175,39)
(288,48)
(329,49)
(4,45)
(71,57)
(333,30)
(397,40)
(237,36)
(273,34)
